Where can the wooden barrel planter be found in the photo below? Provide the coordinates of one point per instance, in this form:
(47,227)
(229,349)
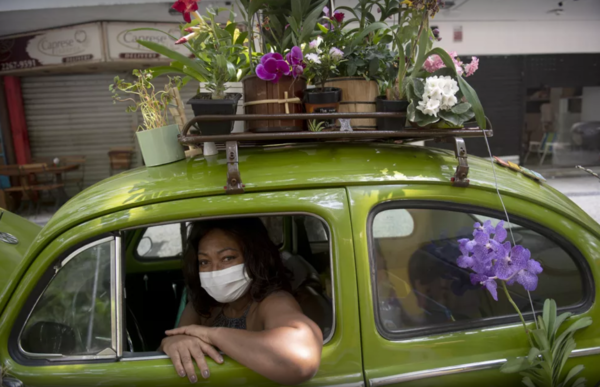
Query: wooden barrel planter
(358,96)
(266,97)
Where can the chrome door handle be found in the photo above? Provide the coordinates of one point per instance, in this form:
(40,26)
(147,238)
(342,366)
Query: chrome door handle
(9,381)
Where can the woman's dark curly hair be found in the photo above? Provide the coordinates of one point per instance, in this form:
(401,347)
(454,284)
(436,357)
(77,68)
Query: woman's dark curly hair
(261,257)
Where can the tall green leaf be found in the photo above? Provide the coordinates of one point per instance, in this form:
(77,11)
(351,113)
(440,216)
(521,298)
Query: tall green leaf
(190,63)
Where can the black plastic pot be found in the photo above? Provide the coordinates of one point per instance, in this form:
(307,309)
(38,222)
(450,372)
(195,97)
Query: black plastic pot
(323,100)
(383,105)
(203,104)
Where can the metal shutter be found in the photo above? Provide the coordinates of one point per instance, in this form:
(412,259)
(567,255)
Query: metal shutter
(74,115)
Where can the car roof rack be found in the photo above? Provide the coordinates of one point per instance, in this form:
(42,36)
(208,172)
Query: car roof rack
(402,135)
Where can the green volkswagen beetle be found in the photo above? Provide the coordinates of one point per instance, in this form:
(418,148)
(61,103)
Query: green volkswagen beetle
(368,231)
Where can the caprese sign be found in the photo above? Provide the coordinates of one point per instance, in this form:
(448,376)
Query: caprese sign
(123,39)
(58,47)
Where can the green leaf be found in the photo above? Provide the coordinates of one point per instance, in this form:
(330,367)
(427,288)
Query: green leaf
(231,29)
(418,87)
(411,112)
(424,119)
(533,354)
(322,28)
(572,373)
(371,28)
(541,339)
(461,108)
(569,347)
(191,64)
(351,69)
(422,45)
(473,99)
(527,381)
(297,9)
(240,40)
(373,66)
(515,365)
(560,320)
(579,382)
(456,119)
(549,316)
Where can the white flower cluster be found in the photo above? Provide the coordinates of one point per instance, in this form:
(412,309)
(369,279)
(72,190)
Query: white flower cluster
(439,94)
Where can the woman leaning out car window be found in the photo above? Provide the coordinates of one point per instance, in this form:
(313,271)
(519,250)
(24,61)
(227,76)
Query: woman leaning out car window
(240,302)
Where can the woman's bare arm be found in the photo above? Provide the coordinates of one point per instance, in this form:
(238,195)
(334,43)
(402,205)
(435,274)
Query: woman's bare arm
(287,351)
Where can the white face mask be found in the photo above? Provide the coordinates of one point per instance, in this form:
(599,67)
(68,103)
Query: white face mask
(226,285)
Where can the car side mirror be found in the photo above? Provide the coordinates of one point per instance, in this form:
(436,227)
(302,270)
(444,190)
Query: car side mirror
(50,337)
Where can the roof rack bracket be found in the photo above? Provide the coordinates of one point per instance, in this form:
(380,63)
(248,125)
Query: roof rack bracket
(234,178)
(462,170)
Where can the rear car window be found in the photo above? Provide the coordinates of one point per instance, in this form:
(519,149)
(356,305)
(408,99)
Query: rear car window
(418,284)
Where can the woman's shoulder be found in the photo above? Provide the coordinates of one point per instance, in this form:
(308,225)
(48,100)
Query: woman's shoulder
(278,300)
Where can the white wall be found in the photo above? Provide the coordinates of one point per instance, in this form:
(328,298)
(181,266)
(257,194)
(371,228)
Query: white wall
(521,37)
(590,109)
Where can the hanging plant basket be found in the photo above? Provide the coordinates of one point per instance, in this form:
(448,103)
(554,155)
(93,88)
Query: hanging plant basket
(203,104)
(358,96)
(266,97)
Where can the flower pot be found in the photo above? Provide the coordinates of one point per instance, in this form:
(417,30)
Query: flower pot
(203,104)
(266,97)
(384,105)
(160,146)
(323,100)
(358,96)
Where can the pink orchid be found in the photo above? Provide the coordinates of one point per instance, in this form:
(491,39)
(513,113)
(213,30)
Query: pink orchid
(472,67)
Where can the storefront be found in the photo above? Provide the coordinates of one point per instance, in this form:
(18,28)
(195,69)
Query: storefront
(64,75)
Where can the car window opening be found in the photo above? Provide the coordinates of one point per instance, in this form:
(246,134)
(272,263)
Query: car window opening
(156,295)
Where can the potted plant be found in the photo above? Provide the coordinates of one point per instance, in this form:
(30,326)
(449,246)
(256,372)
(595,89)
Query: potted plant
(157,138)
(276,83)
(412,40)
(277,88)
(219,57)
(366,55)
(322,60)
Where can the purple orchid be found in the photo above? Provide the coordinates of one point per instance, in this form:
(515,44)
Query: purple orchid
(296,61)
(272,66)
(491,259)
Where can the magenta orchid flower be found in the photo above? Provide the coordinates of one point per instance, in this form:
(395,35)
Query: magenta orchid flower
(186,7)
(272,66)
(296,61)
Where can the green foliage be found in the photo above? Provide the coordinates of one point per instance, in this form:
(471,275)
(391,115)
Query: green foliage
(219,53)
(316,125)
(543,366)
(152,104)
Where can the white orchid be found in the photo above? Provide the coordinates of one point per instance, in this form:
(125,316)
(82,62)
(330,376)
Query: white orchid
(314,58)
(439,93)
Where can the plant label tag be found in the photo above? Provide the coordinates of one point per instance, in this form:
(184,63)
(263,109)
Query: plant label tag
(514,167)
(498,160)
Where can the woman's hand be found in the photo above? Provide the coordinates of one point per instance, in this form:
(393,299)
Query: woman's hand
(182,348)
(198,331)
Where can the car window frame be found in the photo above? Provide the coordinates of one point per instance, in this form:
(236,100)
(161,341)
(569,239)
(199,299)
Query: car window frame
(588,284)
(117,335)
(154,355)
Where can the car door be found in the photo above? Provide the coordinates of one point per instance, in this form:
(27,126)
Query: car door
(114,365)
(422,321)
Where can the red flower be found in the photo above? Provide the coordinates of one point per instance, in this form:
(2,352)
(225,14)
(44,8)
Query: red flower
(186,7)
(339,17)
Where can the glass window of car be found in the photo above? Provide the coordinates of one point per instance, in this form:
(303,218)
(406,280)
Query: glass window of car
(73,315)
(162,241)
(419,285)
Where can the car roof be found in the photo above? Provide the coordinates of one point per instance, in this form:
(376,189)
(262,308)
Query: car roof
(293,166)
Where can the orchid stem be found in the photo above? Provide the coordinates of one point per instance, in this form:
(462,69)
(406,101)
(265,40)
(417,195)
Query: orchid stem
(518,312)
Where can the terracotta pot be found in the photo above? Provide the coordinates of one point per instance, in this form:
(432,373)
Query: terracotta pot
(358,96)
(266,97)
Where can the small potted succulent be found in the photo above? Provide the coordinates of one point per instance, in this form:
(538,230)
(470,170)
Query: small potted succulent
(157,138)
(322,60)
(219,57)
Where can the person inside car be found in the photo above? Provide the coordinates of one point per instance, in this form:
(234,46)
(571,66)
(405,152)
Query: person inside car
(240,302)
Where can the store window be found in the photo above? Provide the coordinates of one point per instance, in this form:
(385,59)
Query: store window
(419,284)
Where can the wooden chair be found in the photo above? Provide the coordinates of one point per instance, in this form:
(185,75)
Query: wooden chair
(24,188)
(120,159)
(47,185)
(76,177)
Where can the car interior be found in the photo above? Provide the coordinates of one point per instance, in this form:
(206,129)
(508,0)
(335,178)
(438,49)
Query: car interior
(419,283)
(155,292)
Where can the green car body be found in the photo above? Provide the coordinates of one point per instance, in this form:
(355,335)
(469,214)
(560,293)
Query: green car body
(341,184)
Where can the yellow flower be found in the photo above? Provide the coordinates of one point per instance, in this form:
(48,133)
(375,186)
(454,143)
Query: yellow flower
(407,2)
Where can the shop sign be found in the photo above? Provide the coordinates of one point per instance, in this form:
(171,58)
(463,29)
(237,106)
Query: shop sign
(58,47)
(122,39)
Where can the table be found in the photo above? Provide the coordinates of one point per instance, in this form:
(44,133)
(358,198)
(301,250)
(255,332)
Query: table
(26,172)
